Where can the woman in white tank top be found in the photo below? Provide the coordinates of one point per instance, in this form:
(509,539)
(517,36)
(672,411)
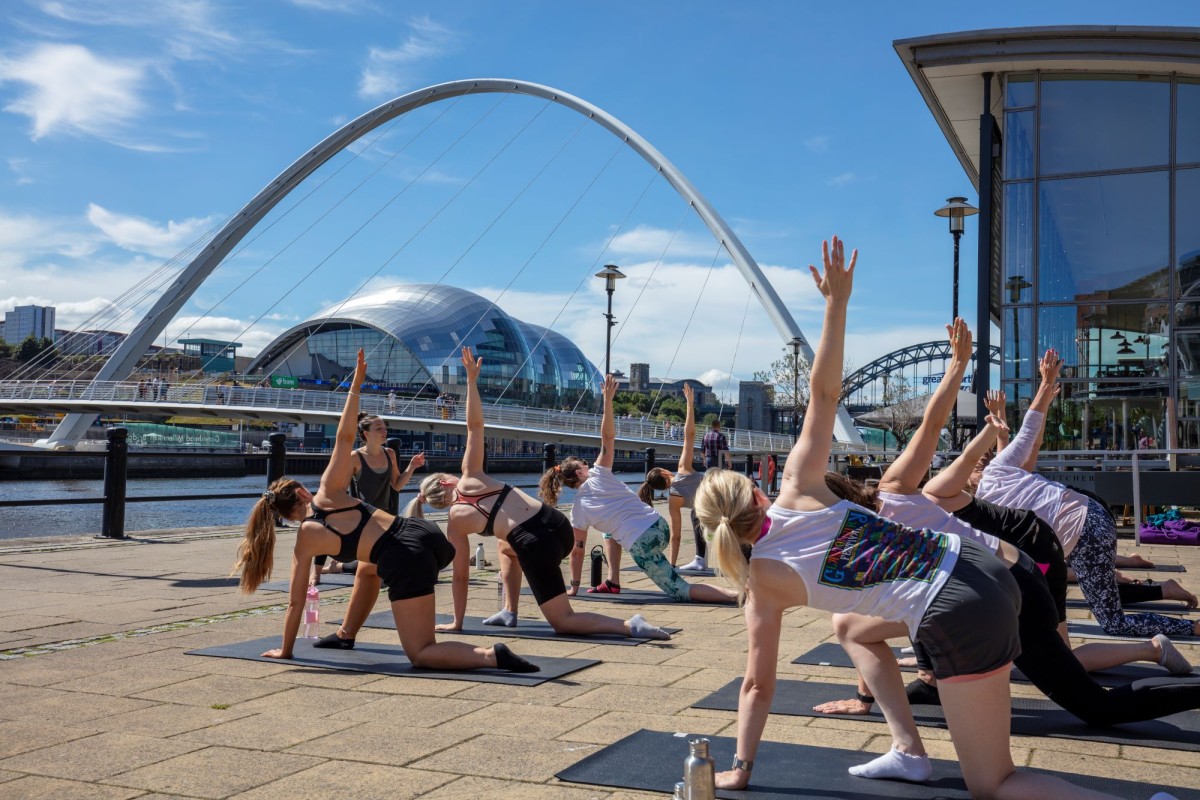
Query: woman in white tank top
(825,552)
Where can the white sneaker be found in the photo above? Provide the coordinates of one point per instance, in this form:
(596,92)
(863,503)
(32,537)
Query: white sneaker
(697,563)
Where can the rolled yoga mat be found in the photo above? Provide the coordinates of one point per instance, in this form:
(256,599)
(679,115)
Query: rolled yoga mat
(653,761)
(526,629)
(1029,717)
(389,659)
(831,654)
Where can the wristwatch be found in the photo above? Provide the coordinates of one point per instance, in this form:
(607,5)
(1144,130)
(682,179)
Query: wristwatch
(744,766)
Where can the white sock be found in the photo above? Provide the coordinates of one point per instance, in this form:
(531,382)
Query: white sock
(644,630)
(502,617)
(896,765)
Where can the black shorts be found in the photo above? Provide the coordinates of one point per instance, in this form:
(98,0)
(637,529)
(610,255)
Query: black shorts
(971,628)
(409,555)
(541,543)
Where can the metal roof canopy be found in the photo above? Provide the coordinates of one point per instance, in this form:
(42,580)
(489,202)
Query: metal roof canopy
(948,68)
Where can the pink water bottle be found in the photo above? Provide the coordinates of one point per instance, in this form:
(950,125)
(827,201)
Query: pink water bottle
(312,613)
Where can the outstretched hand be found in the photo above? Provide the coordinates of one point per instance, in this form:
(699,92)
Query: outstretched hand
(471,364)
(416,462)
(610,388)
(688,393)
(960,341)
(998,423)
(360,369)
(996,402)
(837,281)
(1050,366)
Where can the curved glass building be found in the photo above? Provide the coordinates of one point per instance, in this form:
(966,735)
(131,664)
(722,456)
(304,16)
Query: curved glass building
(412,336)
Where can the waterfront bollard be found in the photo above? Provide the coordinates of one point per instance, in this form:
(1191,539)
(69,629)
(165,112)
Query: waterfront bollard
(549,456)
(276,462)
(394,444)
(649,465)
(116,462)
(749,466)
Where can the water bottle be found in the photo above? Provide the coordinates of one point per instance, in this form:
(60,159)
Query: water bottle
(500,591)
(680,791)
(699,772)
(597,561)
(479,556)
(312,613)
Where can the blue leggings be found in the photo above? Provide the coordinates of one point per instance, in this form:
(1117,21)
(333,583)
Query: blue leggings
(1093,560)
(647,553)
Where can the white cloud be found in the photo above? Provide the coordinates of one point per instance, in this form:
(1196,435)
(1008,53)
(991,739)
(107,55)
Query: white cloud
(20,170)
(69,89)
(646,241)
(24,237)
(387,72)
(224,328)
(336,6)
(145,236)
(841,179)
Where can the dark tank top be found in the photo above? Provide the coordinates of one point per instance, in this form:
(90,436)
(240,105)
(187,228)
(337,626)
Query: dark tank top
(349,541)
(472,500)
(373,487)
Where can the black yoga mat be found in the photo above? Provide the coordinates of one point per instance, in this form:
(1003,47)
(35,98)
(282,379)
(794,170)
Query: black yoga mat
(388,659)
(831,654)
(691,573)
(653,761)
(1153,606)
(526,629)
(1157,568)
(334,580)
(1029,717)
(635,597)
(1090,630)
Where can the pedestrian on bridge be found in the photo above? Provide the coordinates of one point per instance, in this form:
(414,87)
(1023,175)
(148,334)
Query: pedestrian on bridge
(407,553)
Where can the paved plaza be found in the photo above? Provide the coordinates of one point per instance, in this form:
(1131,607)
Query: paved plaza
(100,700)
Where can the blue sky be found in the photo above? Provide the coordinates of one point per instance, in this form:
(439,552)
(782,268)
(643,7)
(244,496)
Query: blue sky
(130,128)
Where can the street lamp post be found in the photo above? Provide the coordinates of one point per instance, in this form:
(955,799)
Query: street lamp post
(796,342)
(957,209)
(1015,285)
(611,275)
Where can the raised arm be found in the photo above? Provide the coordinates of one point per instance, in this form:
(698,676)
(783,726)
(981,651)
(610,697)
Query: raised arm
(905,474)
(687,454)
(401,479)
(996,402)
(1024,445)
(472,462)
(804,471)
(952,481)
(608,425)
(336,477)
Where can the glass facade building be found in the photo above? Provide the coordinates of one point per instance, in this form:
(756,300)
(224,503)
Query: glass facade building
(413,335)
(1084,144)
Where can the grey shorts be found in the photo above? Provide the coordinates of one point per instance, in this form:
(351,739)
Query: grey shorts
(971,628)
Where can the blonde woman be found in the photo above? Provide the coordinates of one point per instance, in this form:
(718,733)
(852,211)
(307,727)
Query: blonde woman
(406,553)
(813,548)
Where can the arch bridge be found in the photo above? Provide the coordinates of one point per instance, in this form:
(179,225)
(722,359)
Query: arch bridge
(900,359)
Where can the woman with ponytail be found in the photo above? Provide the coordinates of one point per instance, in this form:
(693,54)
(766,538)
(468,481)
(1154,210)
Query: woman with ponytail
(406,553)
(604,502)
(813,548)
(682,486)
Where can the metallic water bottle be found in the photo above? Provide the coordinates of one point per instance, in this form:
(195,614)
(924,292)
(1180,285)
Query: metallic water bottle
(479,556)
(680,791)
(699,772)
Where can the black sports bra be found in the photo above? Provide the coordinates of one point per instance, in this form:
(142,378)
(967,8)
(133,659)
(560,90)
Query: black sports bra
(472,500)
(349,546)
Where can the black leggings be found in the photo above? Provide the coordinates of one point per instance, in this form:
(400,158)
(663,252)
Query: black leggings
(541,543)
(1051,666)
(698,534)
(1131,593)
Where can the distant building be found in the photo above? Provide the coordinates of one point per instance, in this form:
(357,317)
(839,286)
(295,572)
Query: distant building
(639,377)
(755,400)
(669,387)
(88,343)
(215,355)
(25,321)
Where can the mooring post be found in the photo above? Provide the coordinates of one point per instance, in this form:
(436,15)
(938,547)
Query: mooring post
(116,465)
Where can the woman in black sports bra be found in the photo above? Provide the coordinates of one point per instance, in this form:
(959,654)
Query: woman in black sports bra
(407,553)
(532,537)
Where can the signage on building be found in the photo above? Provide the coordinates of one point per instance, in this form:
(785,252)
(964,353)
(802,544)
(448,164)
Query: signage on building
(284,382)
(928,380)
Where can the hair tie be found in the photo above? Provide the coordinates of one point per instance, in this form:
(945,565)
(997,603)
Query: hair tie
(724,520)
(558,467)
(269,496)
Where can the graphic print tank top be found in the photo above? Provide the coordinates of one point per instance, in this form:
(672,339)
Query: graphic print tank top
(852,560)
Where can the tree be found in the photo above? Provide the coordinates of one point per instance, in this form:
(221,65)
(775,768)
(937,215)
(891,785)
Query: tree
(788,372)
(31,346)
(902,409)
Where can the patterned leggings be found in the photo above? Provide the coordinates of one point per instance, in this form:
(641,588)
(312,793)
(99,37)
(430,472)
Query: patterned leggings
(1093,560)
(647,553)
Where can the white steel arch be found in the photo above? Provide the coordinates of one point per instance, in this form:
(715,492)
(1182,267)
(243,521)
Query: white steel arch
(122,362)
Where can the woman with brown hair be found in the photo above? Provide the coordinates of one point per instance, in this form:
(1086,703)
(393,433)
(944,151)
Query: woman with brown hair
(407,553)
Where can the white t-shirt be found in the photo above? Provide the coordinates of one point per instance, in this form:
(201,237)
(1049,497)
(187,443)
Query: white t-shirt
(918,511)
(605,503)
(852,560)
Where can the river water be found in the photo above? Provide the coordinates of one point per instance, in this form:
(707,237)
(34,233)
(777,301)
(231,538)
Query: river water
(75,520)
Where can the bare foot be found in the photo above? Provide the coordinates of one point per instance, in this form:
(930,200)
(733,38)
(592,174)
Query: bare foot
(1122,577)
(852,706)
(1135,560)
(573,590)
(1173,591)
(907,661)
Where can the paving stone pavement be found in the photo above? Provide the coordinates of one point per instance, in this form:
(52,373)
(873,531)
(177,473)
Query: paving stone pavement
(100,700)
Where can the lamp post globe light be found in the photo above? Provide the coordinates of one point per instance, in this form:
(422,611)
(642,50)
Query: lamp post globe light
(611,275)
(956,210)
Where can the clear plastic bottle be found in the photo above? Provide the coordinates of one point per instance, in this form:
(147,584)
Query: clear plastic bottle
(699,772)
(312,613)
(500,590)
